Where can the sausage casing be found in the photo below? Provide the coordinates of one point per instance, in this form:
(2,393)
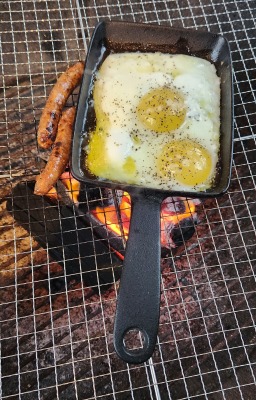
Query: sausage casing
(62,89)
(60,154)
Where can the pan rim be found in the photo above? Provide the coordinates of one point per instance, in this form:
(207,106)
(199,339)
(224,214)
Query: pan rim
(102,29)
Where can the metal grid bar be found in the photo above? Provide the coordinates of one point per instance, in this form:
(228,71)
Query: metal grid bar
(56,329)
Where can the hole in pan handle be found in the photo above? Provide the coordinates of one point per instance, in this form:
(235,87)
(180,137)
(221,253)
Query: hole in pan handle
(139,295)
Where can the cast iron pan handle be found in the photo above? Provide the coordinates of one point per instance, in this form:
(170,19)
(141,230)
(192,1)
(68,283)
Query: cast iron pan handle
(139,294)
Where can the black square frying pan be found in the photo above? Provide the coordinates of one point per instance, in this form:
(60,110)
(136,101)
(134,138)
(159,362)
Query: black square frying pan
(139,294)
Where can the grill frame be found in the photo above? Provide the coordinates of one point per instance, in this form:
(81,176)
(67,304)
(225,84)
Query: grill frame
(49,340)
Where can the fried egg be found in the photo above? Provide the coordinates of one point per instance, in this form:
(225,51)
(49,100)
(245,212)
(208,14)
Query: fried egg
(157,121)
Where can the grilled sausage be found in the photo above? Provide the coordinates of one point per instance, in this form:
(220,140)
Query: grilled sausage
(60,154)
(64,86)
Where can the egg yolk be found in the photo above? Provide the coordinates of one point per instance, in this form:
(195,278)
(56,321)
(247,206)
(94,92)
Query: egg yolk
(129,166)
(161,110)
(96,161)
(186,161)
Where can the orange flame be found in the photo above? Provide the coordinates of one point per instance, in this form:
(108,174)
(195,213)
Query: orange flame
(72,188)
(111,217)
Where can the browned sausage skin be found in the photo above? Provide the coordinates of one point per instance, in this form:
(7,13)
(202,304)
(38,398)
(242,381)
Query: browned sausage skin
(64,86)
(60,154)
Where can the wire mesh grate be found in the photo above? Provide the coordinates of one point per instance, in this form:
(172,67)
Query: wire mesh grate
(58,280)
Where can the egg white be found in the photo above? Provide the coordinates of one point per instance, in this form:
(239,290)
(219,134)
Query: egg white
(122,80)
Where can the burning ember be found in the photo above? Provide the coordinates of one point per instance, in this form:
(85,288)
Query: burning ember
(176,212)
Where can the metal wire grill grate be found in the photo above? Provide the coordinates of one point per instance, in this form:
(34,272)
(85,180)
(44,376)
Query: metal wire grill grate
(56,323)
